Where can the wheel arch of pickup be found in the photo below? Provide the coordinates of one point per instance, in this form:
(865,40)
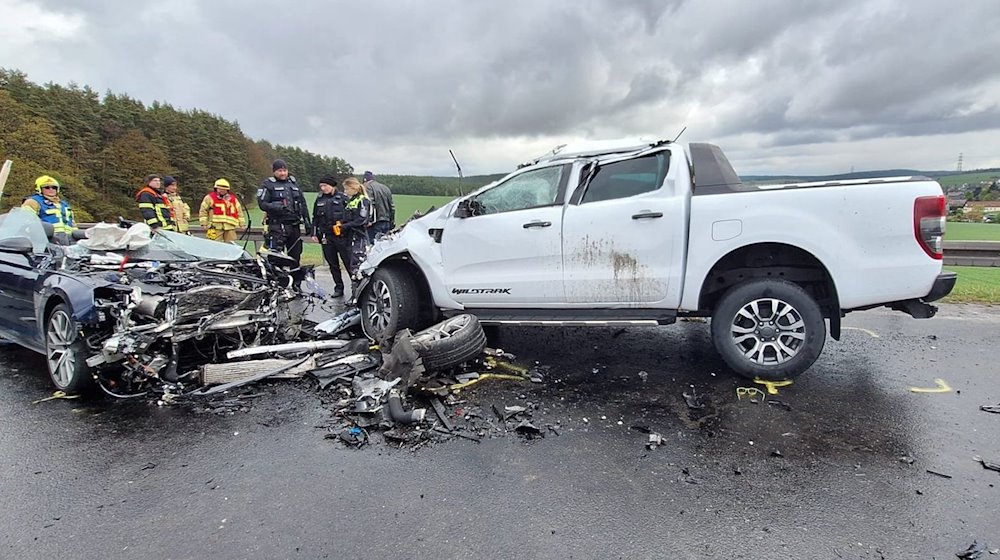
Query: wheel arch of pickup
(404,263)
(773,260)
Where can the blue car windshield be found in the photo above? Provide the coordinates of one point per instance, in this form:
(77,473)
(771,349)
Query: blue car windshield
(24,223)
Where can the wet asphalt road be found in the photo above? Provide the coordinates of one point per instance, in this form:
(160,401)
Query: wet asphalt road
(133,480)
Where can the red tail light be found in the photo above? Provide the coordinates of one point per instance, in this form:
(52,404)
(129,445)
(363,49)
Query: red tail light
(928,224)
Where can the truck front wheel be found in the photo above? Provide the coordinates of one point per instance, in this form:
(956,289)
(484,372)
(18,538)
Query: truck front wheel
(766,328)
(389,304)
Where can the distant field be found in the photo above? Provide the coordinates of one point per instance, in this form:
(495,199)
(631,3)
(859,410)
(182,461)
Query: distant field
(972,178)
(967,231)
(406,205)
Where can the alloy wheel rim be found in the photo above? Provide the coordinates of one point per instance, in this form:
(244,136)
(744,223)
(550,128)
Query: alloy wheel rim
(379,306)
(58,348)
(445,329)
(768,331)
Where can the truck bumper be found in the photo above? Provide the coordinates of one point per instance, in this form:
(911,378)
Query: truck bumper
(921,308)
(943,285)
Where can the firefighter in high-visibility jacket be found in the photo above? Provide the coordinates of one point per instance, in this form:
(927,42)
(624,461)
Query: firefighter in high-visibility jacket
(154,205)
(221,213)
(51,209)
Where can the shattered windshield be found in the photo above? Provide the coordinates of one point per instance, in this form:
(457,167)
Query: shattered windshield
(23,223)
(168,246)
(194,248)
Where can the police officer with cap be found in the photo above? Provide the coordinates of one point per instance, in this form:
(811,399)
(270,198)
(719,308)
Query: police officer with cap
(329,216)
(282,201)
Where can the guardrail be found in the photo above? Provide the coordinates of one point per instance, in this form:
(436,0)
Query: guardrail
(972,253)
(957,253)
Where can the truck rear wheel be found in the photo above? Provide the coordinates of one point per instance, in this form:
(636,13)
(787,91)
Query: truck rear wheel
(389,304)
(766,328)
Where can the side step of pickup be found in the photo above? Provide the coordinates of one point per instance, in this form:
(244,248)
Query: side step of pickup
(572,317)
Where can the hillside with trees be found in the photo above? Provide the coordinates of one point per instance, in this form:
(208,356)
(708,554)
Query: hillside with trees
(101,147)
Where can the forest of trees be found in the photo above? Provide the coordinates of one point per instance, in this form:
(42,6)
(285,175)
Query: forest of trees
(101,147)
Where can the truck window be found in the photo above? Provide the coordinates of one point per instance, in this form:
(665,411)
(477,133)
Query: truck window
(539,187)
(627,178)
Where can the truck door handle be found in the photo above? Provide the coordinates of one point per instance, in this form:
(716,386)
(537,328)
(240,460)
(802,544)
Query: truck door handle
(536,224)
(647,215)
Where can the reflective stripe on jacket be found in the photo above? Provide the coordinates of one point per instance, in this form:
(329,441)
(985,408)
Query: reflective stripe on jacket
(155,208)
(59,214)
(225,212)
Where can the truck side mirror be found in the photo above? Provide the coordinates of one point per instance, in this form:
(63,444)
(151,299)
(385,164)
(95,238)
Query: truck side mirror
(464,209)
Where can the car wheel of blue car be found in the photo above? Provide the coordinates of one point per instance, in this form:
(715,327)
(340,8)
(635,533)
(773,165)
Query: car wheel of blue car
(64,351)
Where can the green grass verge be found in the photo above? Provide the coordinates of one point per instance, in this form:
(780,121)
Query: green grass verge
(976,284)
(406,205)
(968,231)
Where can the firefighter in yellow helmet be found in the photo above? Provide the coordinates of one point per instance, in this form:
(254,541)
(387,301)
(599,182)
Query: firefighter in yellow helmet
(221,214)
(51,209)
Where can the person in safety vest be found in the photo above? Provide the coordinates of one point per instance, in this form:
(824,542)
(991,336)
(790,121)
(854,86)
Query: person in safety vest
(357,212)
(221,213)
(155,206)
(182,211)
(51,209)
(328,230)
(282,201)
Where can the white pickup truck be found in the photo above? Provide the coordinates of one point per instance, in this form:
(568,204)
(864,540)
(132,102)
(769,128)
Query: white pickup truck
(621,233)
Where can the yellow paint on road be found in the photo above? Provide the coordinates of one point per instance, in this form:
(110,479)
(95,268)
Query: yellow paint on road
(942,387)
(772,386)
(56,395)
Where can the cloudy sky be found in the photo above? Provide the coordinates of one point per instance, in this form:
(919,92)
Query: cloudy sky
(804,87)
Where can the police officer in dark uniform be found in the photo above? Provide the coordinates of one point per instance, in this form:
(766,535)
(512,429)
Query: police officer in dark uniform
(328,229)
(282,201)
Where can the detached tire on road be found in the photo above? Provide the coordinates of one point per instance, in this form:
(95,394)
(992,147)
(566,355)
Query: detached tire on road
(767,328)
(451,342)
(389,304)
(65,352)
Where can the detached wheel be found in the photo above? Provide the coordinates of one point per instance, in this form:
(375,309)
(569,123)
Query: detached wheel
(389,304)
(451,342)
(771,329)
(64,351)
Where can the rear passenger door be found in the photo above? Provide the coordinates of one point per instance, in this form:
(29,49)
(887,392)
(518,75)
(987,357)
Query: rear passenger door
(619,233)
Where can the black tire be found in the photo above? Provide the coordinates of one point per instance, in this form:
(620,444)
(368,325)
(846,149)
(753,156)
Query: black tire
(65,352)
(771,329)
(451,342)
(389,304)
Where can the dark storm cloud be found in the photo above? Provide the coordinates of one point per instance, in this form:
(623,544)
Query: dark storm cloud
(407,75)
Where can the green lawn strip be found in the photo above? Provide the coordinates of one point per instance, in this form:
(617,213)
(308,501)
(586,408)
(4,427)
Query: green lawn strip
(406,204)
(976,284)
(967,231)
